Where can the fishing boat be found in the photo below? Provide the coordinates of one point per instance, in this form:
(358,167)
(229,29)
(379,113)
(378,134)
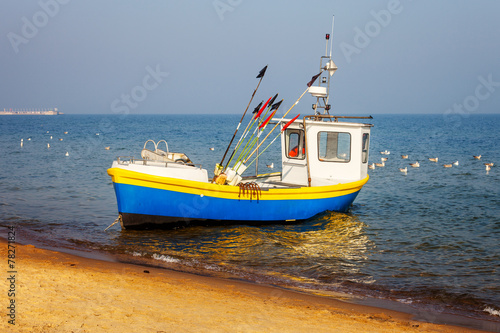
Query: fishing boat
(324,164)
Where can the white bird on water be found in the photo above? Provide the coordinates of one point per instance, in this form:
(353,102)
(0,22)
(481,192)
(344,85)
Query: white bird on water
(433,159)
(384,159)
(270,166)
(455,163)
(67,153)
(22,142)
(404,170)
(415,165)
(488,168)
(477,157)
(48,145)
(212,148)
(371,166)
(380,165)
(447,165)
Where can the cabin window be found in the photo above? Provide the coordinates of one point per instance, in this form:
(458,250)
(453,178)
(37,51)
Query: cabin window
(294,143)
(334,146)
(364,148)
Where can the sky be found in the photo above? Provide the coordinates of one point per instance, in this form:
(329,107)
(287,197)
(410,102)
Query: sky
(202,57)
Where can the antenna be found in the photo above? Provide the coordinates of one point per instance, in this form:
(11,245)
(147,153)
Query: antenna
(331,42)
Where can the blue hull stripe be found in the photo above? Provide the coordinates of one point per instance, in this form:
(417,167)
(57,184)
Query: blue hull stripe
(134,199)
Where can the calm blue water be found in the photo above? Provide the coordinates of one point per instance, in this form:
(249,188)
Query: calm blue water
(428,239)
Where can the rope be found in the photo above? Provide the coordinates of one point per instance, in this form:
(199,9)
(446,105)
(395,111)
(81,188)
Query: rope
(249,189)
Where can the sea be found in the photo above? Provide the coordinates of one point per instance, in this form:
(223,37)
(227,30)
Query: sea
(426,242)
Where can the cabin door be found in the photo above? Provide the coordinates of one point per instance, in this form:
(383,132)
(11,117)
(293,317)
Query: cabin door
(294,168)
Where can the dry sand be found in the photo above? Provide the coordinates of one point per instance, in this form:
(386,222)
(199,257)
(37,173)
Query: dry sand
(58,292)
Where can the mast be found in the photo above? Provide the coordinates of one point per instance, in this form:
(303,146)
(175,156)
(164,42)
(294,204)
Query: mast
(322,90)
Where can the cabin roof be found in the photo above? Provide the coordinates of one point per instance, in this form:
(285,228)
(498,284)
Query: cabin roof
(323,121)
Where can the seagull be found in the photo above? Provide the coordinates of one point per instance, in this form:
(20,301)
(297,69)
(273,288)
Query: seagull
(67,153)
(97,134)
(489,164)
(270,166)
(455,163)
(29,139)
(212,148)
(60,139)
(107,148)
(447,165)
(380,164)
(488,168)
(51,137)
(383,159)
(415,165)
(21,142)
(65,132)
(404,157)
(385,152)
(371,166)
(435,159)
(404,170)
(478,157)
(48,145)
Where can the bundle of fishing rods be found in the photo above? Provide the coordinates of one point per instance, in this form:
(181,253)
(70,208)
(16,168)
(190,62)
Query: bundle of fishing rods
(249,141)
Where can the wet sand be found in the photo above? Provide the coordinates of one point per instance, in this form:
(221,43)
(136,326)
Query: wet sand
(59,292)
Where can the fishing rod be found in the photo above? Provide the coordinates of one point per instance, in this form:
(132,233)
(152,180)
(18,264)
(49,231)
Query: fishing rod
(218,167)
(277,136)
(250,140)
(309,84)
(260,130)
(257,111)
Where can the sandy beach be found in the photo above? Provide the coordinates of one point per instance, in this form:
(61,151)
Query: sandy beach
(59,292)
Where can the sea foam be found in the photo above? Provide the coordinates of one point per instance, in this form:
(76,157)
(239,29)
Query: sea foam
(165,258)
(492,311)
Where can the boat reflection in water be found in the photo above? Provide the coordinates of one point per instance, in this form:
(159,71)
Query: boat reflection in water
(319,254)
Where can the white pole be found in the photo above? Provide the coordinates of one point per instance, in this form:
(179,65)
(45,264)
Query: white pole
(331,37)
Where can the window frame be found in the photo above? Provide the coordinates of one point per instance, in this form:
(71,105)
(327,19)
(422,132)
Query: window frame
(301,143)
(365,147)
(338,159)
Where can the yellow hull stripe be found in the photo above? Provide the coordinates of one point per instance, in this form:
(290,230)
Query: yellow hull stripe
(123,176)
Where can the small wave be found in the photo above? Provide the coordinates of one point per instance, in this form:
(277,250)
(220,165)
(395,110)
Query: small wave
(492,311)
(213,268)
(165,258)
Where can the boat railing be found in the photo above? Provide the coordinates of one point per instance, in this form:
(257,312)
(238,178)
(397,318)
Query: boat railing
(334,118)
(126,160)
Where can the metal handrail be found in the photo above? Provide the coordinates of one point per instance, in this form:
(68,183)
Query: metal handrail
(335,118)
(131,159)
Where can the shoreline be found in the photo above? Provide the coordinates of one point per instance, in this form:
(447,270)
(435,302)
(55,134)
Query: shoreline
(59,292)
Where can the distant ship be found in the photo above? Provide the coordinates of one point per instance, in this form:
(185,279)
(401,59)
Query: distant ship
(37,112)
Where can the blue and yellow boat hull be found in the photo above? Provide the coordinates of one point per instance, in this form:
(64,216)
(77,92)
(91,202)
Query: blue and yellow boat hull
(145,200)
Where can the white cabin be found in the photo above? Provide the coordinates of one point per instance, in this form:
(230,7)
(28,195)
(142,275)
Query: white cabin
(328,151)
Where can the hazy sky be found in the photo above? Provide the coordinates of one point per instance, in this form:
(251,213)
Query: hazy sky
(171,57)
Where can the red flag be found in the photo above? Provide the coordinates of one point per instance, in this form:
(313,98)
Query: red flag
(262,109)
(267,120)
(291,121)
